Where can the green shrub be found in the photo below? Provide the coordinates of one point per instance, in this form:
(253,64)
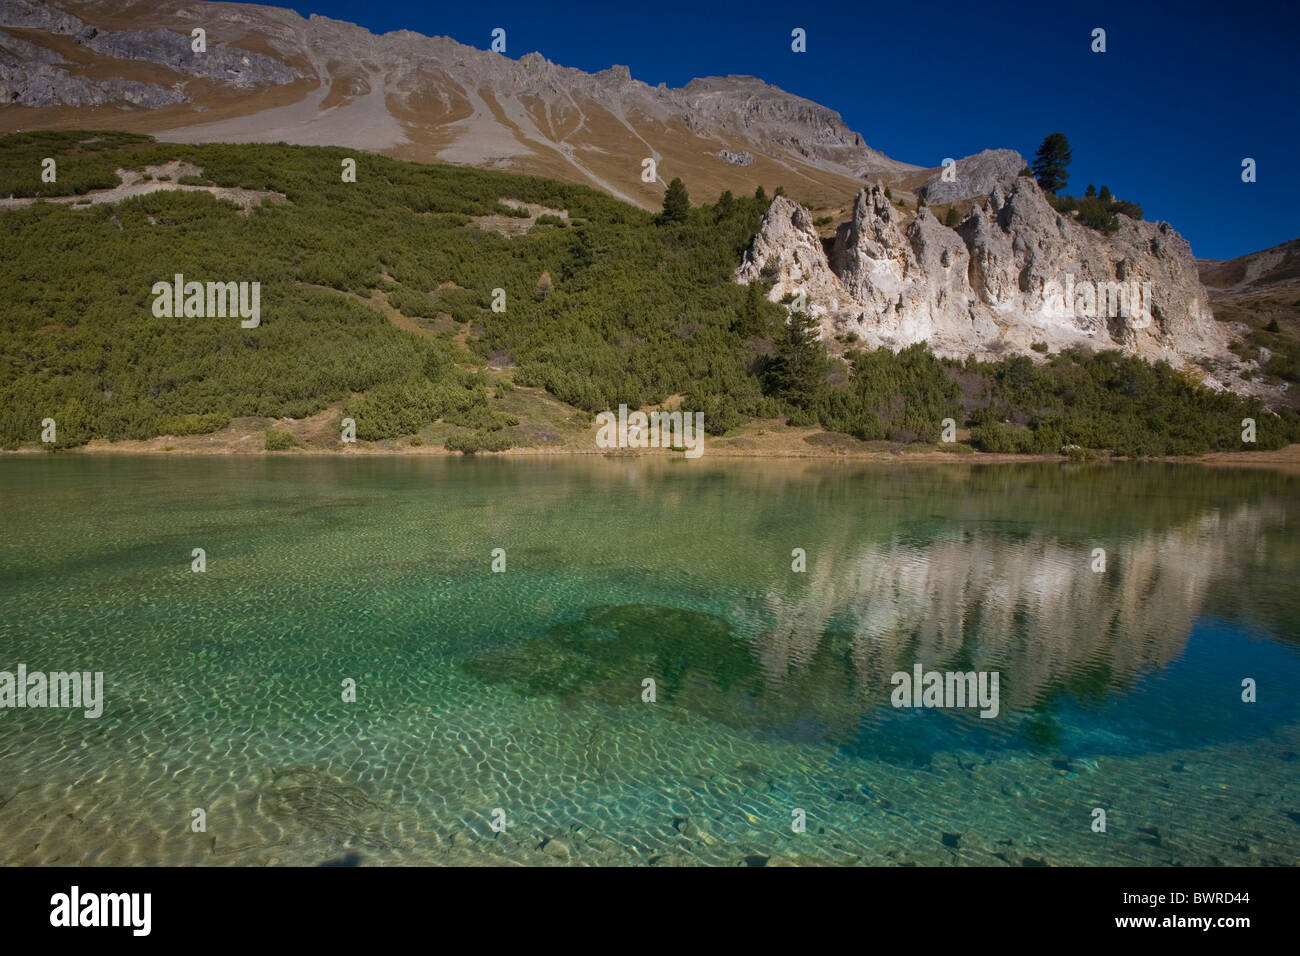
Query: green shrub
(478,441)
(1110,401)
(900,397)
(414,303)
(1062,203)
(1077,453)
(1285,364)
(1097,214)
(1008,439)
(73,425)
(480,418)
(86,160)
(1124,207)
(398,408)
(277,440)
(1097,211)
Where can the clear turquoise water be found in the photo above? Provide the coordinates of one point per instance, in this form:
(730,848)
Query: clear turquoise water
(522,690)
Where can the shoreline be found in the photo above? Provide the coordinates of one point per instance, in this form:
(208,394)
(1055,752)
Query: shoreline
(1283,459)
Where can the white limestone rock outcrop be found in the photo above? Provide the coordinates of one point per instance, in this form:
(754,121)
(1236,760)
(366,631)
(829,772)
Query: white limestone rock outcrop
(1013,273)
(974,176)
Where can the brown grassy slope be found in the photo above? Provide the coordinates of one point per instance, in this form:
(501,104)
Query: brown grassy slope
(1261,291)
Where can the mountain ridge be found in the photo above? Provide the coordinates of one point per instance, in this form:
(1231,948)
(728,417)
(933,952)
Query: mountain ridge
(428,98)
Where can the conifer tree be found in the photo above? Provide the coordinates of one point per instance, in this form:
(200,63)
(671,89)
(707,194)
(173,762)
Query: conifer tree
(677,205)
(726,205)
(1050,162)
(797,372)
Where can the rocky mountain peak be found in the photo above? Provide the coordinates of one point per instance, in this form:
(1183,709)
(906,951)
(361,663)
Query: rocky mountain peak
(616,74)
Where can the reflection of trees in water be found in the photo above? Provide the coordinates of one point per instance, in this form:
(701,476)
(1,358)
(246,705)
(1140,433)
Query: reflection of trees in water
(1027,605)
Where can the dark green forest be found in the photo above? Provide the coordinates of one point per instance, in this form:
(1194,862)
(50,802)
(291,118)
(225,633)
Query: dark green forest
(610,305)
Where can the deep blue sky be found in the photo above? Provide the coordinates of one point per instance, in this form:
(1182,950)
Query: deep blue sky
(1185,91)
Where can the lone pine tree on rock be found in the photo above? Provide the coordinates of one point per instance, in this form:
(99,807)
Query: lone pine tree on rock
(1050,162)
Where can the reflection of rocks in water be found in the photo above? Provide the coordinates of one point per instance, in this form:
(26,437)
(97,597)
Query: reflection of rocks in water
(1028,606)
(808,663)
(330,806)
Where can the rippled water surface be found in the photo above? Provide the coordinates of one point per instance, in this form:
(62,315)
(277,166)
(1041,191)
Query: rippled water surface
(522,691)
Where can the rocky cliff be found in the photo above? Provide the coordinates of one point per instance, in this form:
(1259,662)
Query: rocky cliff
(32,74)
(1013,272)
(976,175)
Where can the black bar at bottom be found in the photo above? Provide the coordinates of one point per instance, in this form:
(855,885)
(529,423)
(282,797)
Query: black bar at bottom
(298,905)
